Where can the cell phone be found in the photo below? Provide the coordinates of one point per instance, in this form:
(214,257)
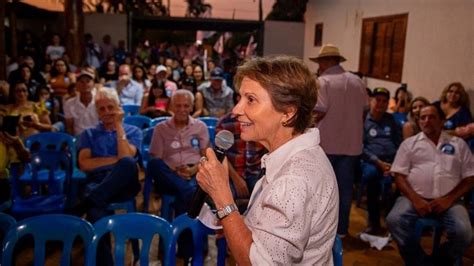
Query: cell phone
(27,118)
(10,124)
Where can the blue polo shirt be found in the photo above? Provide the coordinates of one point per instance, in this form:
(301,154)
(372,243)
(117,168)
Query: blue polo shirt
(103,143)
(381,138)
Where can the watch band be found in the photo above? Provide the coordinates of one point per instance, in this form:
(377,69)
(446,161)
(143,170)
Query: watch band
(226,210)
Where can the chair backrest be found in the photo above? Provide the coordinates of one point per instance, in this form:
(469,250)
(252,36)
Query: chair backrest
(52,227)
(337,251)
(200,233)
(158,120)
(50,141)
(209,120)
(139,121)
(145,149)
(6,221)
(130,109)
(51,161)
(133,226)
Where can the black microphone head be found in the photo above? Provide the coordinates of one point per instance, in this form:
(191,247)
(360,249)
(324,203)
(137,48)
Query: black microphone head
(224,139)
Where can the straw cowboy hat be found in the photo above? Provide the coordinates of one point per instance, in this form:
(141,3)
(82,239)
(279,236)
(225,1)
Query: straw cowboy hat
(328,50)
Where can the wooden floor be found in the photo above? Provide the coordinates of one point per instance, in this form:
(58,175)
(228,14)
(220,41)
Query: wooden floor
(356,252)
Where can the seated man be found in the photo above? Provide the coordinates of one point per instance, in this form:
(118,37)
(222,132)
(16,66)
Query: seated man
(176,147)
(382,137)
(244,160)
(218,97)
(433,170)
(79,111)
(106,155)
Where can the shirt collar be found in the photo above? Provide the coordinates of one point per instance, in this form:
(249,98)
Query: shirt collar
(273,162)
(337,69)
(443,138)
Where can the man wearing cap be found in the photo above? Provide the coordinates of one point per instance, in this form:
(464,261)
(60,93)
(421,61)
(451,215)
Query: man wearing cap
(382,136)
(432,170)
(176,147)
(162,74)
(129,91)
(218,97)
(79,111)
(342,95)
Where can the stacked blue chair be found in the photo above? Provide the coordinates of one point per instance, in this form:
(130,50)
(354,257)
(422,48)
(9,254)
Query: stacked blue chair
(6,222)
(40,202)
(337,251)
(200,233)
(158,120)
(59,142)
(131,109)
(43,228)
(133,226)
(145,149)
(139,121)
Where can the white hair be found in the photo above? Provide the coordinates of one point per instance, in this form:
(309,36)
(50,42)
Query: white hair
(106,93)
(184,92)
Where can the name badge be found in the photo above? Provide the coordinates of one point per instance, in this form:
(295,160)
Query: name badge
(195,143)
(175,144)
(387,130)
(373,132)
(448,149)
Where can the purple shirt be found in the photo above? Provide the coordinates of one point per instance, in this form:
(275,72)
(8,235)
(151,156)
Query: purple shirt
(179,146)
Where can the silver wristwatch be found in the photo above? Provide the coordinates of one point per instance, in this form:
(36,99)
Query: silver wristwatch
(226,210)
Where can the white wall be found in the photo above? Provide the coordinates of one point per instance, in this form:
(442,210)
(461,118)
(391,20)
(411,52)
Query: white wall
(101,24)
(284,38)
(439,45)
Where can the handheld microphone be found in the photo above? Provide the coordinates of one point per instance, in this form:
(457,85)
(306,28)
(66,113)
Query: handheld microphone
(223,141)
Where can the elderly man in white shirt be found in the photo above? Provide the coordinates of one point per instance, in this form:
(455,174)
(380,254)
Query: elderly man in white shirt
(433,170)
(80,112)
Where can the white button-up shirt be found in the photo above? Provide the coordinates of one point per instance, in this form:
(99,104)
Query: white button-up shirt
(433,170)
(84,117)
(293,209)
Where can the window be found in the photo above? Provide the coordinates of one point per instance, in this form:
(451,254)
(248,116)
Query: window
(383,47)
(318,34)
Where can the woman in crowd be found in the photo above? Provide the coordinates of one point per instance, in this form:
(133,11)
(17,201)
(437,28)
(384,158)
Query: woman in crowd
(398,105)
(188,72)
(33,119)
(155,103)
(190,85)
(31,83)
(61,77)
(198,75)
(139,75)
(109,72)
(411,128)
(454,102)
(292,214)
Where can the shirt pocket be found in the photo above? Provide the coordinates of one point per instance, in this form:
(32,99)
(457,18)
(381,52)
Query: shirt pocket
(450,165)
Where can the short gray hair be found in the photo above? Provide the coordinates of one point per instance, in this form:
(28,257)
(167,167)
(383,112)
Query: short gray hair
(106,93)
(184,92)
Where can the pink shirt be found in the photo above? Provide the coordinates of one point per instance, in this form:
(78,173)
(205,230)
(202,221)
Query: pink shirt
(179,146)
(343,98)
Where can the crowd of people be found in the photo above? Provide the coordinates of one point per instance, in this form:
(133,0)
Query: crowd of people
(426,148)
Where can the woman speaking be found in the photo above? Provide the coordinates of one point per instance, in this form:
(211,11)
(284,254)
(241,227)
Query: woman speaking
(292,213)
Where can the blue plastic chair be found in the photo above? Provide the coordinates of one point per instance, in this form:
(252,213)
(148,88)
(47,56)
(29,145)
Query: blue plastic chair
(5,205)
(145,149)
(139,121)
(337,251)
(209,120)
(158,120)
(53,227)
(131,109)
(133,226)
(200,233)
(167,201)
(39,202)
(423,223)
(6,222)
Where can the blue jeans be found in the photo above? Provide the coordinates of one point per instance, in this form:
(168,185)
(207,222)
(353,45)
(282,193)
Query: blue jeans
(372,175)
(345,167)
(401,222)
(169,183)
